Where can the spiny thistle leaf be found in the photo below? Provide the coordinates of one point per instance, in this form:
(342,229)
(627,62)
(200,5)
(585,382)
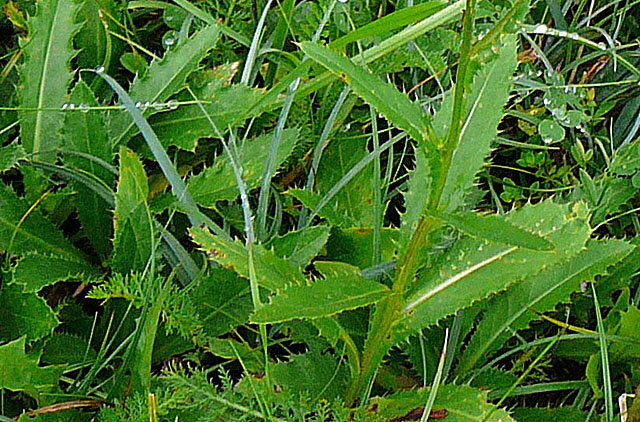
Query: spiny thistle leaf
(325,297)
(164,79)
(488,95)
(24,314)
(133,226)
(384,97)
(472,270)
(516,308)
(45,75)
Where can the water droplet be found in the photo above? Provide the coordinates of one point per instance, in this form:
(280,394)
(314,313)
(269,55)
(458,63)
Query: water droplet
(65,106)
(172,104)
(546,101)
(573,36)
(602,46)
(342,1)
(138,104)
(71,107)
(83,108)
(157,106)
(540,29)
(100,69)
(170,39)
(547,140)
(563,34)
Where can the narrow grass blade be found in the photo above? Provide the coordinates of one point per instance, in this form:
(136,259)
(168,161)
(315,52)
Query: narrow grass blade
(177,184)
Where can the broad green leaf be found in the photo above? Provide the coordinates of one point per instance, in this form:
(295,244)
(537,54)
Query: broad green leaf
(300,247)
(495,228)
(626,161)
(484,103)
(560,414)
(67,349)
(325,297)
(311,200)
(86,133)
(23,231)
(273,272)
(472,270)
(36,270)
(184,126)
(312,374)
(164,79)
(223,301)
(24,314)
(384,97)
(217,182)
(353,203)
(133,226)
(460,403)
(355,246)
(514,309)
(24,374)
(45,75)
(398,19)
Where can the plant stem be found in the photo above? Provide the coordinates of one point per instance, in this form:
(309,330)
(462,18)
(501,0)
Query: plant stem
(387,312)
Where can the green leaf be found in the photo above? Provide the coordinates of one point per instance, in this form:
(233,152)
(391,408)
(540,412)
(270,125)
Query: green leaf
(495,228)
(472,270)
(133,226)
(227,107)
(36,270)
(10,156)
(24,374)
(300,247)
(484,103)
(272,272)
(312,374)
(384,97)
(223,300)
(323,298)
(86,133)
(398,19)
(164,79)
(461,403)
(514,309)
(355,245)
(24,314)
(23,231)
(67,349)
(213,184)
(45,75)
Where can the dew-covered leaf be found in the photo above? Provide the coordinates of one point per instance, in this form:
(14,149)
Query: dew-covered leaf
(45,75)
(514,309)
(86,133)
(495,228)
(164,79)
(185,125)
(384,97)
(484,104)
(217,183)
(133,226)
(272,272)
(24,314)
(472,270)
(323,298)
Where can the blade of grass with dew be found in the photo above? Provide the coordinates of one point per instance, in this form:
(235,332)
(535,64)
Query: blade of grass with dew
(178,186)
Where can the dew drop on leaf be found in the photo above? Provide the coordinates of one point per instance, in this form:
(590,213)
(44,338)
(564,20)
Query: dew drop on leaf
(540,29)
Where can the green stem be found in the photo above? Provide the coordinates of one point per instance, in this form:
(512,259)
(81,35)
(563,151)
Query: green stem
(388,310)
